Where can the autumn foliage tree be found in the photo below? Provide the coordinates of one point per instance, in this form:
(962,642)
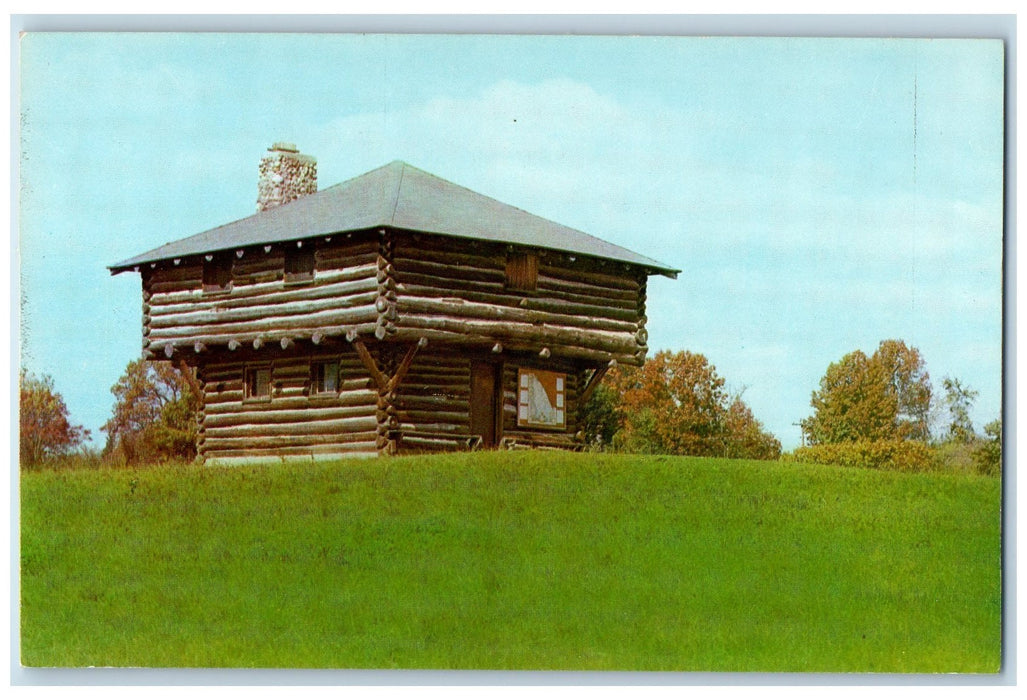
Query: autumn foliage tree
(746,438)
(154,416)
(676,403)
(886,396)
(45,430)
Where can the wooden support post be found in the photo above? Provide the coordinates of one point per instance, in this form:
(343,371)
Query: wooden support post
(188,374)
(593,382)
(371,365)
(404,365)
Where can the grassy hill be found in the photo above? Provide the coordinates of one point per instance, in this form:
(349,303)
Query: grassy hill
(513,561)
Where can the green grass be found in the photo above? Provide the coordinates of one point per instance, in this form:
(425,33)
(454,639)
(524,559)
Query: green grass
(513,561)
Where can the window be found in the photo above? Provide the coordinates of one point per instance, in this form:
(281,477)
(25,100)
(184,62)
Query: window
(522,272)
(257,384)
(541,397)
(217,272)
(299,262)
(325,378)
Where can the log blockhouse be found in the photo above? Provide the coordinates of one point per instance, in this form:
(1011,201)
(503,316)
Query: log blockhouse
(393,313)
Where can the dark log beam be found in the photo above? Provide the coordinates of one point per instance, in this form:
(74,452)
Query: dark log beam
(365,356)
(404,365)
(190,378)
(593,382)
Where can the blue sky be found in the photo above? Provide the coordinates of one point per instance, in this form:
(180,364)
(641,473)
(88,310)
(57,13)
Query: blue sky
(820,195)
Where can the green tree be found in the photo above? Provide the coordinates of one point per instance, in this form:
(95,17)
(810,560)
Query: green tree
(883,397)
(959,400)
(910,385)
(851,404)
(600,417)
(44,428)
(988,455)
(154,417)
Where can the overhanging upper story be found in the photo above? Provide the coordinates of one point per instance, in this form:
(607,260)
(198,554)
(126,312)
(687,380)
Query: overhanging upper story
(399,254)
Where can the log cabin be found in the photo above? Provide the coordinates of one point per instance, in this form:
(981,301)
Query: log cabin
(393,313)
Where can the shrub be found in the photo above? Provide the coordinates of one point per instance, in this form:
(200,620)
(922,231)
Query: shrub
(988,455)
(954,457)
(898,455)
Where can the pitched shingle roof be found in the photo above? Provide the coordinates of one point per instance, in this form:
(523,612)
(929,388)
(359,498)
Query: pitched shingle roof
(400,196)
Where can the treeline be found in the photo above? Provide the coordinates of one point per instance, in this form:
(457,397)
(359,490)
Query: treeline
(877,411)
(880,411)
(153,421)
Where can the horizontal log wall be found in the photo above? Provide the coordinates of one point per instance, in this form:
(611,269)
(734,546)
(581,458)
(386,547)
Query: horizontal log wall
(293,423)
(399,286)
(432,404)
(455,291)
(260,307)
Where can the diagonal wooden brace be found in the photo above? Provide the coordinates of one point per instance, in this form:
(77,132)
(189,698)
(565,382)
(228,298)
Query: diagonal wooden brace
(387,385)
(404,365)
(593,382)
(189,378)
(376,374)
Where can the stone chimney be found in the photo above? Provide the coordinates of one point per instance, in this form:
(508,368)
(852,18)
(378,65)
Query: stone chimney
(285,175)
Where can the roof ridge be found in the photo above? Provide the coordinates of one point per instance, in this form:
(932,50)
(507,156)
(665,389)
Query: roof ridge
(399,189)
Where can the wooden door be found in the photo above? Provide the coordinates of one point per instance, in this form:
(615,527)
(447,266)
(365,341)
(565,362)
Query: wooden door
(486,402)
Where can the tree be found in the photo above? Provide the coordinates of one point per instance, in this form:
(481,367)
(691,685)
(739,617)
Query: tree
(959,399)
(746,437)
(672,404)
(676,403)
(852,403)
(910,385)
(601,417)
(883,397)
(44,428)
(154,417)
